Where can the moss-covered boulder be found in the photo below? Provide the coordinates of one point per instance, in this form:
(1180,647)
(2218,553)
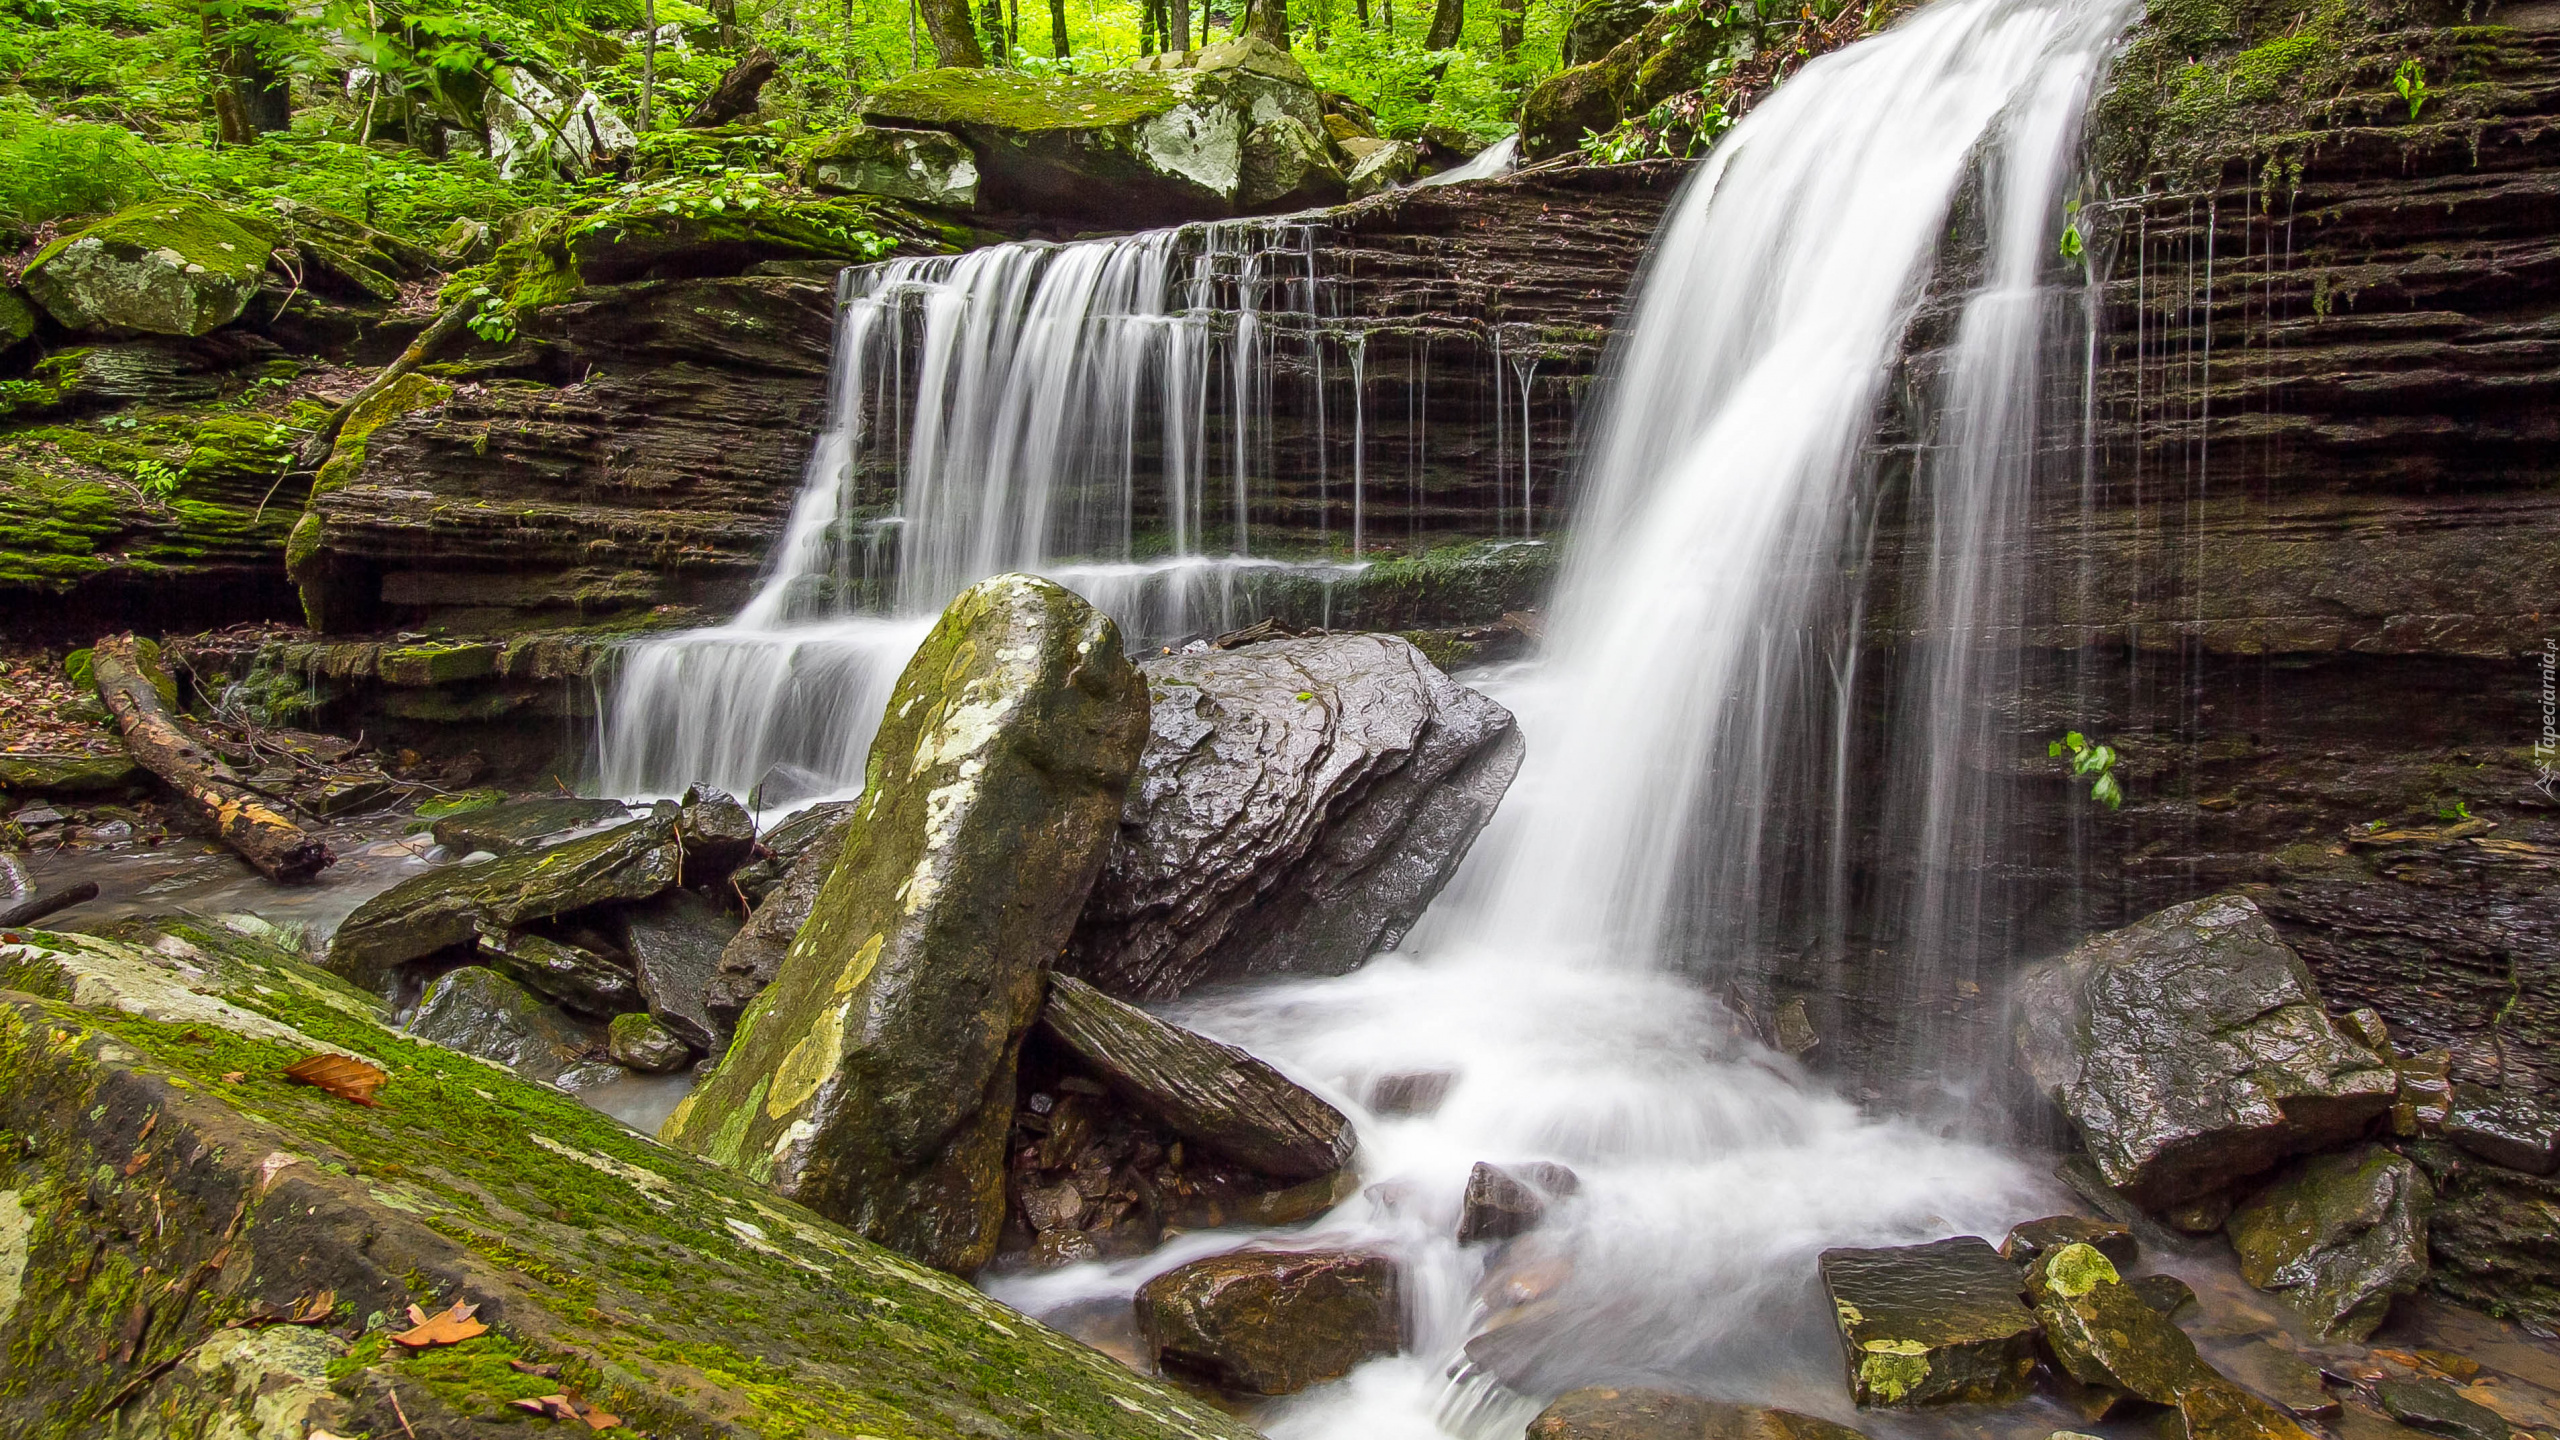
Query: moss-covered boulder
(26,773)
(874,1079)
(167,1196)
(17,320)
(2190,1049)
(1187,136)
(1934,1324)
(643,242)
(2338,1237)
(924,167)
(170,267)
(2101,1332)
(1269,1322)
(1378,165)
(1678,48)
(1609,1413)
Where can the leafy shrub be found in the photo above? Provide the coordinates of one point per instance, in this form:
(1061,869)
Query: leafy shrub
(52,169)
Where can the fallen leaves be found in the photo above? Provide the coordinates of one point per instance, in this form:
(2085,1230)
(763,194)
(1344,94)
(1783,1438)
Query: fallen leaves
(450,1328)
(341,1075)
(309,1310)
(561,1407)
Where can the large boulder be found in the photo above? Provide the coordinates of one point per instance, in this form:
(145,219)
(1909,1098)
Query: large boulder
(2338,1237)
(1603,1413)
(675,942)
(926,167)
(455,904)
(2190,1049)
(1191,135)
(1209,1093)
(186,1195)
(169,267)
(1270,1322)
(1300,802)
(1933,1324)
(536,129)
(874,1079)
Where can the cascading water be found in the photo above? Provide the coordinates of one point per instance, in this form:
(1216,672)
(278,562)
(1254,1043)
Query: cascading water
(1699,681)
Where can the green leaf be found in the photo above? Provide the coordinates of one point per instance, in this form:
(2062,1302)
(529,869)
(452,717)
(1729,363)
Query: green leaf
(2054,750)
(2108,791)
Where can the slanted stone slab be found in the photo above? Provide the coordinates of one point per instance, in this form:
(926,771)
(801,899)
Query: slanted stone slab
(181,1172)
(2338,1237)
(2504,1127)
(454,904)
(2191,1049)
(1604,1413)
(874,1079)
(2439,1409)
(1210,1092)
(674,942)
(521,824)
(1268,1322)
(477,1011)
(2101,1332)
(570,976)
(2031,1238)
(26,773)
(1932,1324)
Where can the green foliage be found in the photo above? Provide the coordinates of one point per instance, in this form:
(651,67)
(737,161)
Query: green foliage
(51,169)
(158,479)
(2094,760)
(2410,84)
(2072,245)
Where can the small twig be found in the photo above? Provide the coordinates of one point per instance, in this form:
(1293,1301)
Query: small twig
(388,1389)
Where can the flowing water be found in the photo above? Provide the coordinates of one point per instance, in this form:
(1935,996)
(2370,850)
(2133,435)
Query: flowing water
(1689,724)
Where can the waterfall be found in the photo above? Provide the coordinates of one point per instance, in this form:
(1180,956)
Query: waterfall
(1709,756)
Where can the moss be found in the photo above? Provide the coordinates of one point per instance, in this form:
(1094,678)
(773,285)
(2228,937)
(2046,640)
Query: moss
(2075,1270)
(1000,100)
(461,802)
(201,234)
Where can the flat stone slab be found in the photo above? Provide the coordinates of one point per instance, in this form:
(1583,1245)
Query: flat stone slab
(522,823)
(1605,1413)
(1269,1322)
(1941,1323)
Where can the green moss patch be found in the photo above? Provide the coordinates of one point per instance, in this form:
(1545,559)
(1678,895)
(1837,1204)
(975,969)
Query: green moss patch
(1002,100)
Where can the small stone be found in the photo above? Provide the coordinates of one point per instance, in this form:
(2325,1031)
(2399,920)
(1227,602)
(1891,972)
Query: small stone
(34,816)
(638,1041)
(2032,1238)
(1053,1207)
(2338,1237)
(2505,1128)
(1058,1248)
(1503,1201)
(2202,1215)
(2220,1410)
(2292,1382)
(2102,1333)
(571,976)
(1600,1413)
(2165,1294)
(1932,1324)
(1411,1092)
(2367,1026)
(2439,1409)
(2424,1098)
(718,835)
(1268,1322)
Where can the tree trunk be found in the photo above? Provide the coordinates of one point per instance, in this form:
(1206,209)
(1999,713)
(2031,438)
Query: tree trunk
(1058,28)
(1270,20)
(955,36)
(648,61)
(726,12)
(991,20)
(1361,7)
(1448,17)
(737,92)
(1150,26)
(245,820)
(1513,16)
(1013,27)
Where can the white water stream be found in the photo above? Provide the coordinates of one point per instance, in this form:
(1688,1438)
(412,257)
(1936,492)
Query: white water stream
(1559,981)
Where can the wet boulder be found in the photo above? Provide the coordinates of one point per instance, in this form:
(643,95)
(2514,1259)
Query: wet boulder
(1207,1092)
(754,955)
(480,1012)
(1378,165)
(570,976)
(2216,1409)
(2439,1409)
(1932,1324)
(638,1042)
(674,942)
(2190,1049)
(523,824)
(1603,1413)
(28,773)
(455,904)
(1268,1322)
(927,167)
(780,847)
(2338,1237)
(874,1079)
(1299,804)
(2101,1332)
(2031,1238)
(718,835)
(2504,1127)
(1507,1200)
(169,267)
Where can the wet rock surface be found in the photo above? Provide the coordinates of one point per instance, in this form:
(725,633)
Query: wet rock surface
(2339,1237)
(1932,1324)
(2504,1127)
(2191,1049)
(572,976)
(753,956)
(1299,803)
(2490,1235)
(638,1042)
(1267,1322)
(478,1011)
(1507,1200)
(1210,1093)
(1604,1413)
(2102,1333)
(874,1080)
(522,824)
(2438,1409)
(675,942)
(2030,1239)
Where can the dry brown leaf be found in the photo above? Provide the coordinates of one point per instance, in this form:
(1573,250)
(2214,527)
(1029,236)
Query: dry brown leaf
(527,1367)
(234,1077)
(561,1407)
(313,1309)
(341,1075)
(450,1328)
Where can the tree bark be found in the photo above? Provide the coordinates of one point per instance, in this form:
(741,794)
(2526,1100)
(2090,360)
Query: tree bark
(1179,13)
(244,819)
(1513,16)
(738,91)
(991,21)
(648,61)
(1058,28)
(1448,17)
(1270,20)
(954,34)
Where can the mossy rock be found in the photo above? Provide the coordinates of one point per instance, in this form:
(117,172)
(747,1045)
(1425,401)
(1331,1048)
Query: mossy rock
(1679,49)
(160,1164)
(17,320)
(23,773)
(169,267)
(2338,1237)
(927,167)
(648,244)
(1932,1324)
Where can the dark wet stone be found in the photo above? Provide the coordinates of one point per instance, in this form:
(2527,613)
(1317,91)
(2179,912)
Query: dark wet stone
(1507,1200)
(2031,1238)
(2438,1409)
(2201,1215)
(1932,1324)
(874,1079)
(2220,1410)
(2190,1049)
(571,976)
(2103,1335)
(1267,1322)
(1208,1092)
(2338,1237)
(2166,1294)
(2490,1235)
(514,826)
(718,833)
(480,1012)
(638,1041)
(454,904)
(754,957)
(34,774)
(1599,1413)
(1299,803)
(675,942)
(2504,1127)
(780,847)
(1417,1092)
(2279,1375)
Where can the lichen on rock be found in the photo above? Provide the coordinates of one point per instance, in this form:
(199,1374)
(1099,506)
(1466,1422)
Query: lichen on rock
(168,267)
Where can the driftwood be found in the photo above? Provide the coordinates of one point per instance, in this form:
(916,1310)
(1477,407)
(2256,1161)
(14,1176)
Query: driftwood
(244,819)
(36,907)
(446,326)
(738,92)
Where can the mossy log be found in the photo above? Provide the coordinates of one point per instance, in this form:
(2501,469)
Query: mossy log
(244,819)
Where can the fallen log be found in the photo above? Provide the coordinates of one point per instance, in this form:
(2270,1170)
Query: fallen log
(36,907)
(244,819)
